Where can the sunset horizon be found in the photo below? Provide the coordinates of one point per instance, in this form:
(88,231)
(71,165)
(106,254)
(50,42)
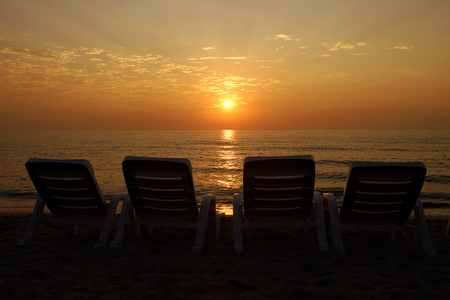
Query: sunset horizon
(225,117)
(175,65)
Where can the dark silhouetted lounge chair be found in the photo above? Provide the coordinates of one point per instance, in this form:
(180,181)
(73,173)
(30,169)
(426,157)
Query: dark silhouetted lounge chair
(380,197)
(278,192)
(161,194)
(70,191)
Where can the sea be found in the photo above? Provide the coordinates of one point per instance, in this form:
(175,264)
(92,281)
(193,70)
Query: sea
(217,158)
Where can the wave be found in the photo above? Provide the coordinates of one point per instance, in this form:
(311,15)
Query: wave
(441,179)
(435,205)
(326,162)
(15,194)
(435,196)
(332,176)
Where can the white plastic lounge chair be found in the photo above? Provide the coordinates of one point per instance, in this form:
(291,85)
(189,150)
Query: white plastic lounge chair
(278,192)
(161,193)
(69,190)
(380,197)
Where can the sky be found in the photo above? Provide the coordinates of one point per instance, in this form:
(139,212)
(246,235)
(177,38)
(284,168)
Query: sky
(210,64)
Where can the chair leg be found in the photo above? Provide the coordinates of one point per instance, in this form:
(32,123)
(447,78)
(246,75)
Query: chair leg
(448,227)
(151,231)
(320,220)
(215,217)
(138,230)
(305,233)
(109,218)
(73,230)
(123,221)
(220,217)
(34,220)
(336,229)
(237,224)
(202,223)
(421,221)
(395,235)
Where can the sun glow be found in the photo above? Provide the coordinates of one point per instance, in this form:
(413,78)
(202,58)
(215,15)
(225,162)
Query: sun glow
(227,104)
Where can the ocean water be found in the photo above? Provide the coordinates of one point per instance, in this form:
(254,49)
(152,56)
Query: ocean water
(217,157)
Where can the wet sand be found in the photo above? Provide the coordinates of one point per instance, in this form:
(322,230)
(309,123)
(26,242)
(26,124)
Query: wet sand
(277,264)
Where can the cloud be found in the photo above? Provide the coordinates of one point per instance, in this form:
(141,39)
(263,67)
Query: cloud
(235,58)
(401,48)
(222,84)
(141,71)
(346,46)
(204,59)
(95,51)
(216,58)
(284,37)
(148,58)
(43,55)
(210,58)
(30,54)
(103,75)
(320,55)
(171,68)
(209,48)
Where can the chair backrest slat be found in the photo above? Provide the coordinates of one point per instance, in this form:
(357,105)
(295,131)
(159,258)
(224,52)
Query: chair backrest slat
(67,187)
(381,191)
(160,187)
(278,186)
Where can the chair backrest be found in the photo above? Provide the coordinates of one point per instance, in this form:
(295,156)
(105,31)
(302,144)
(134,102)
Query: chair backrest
(67,186)
(160,187)
(381,192)
(278,186)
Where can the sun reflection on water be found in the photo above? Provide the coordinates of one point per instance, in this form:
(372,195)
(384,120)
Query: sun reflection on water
(229,164)
(228,135)
(228,159)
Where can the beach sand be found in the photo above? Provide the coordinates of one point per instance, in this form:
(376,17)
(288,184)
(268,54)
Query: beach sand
(277,264)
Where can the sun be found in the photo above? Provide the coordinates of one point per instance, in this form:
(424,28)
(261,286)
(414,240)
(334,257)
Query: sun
(227,104)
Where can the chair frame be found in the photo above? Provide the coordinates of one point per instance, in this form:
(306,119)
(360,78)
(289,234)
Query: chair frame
(206,211)
(400,225)
(241,221)
(103,220)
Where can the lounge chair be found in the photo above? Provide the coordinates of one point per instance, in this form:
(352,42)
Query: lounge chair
(380,197)
(448,227)
(69,190)
(278,192)
(161,193)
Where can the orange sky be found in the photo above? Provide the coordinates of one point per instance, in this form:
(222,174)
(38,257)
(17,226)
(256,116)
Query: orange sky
(297,64)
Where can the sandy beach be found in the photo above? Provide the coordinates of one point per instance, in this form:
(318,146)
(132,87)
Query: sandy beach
(277,264)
